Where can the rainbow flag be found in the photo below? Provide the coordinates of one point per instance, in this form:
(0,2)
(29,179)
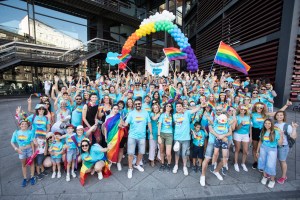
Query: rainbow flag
(211,104)
(37,94)
(86,165)
(114,137)
(228,57)
(172,91)
(174,54)
(125,58)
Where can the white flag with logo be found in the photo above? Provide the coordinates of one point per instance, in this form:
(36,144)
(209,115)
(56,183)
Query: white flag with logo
(157,69)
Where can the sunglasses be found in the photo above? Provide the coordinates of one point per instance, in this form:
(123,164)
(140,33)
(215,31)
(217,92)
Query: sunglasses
(230,110)
(263,89)
(254,92)
(169,106)
(219,110)
(41,109)
(85,145)
(47,103)
(137,104)
(78,99)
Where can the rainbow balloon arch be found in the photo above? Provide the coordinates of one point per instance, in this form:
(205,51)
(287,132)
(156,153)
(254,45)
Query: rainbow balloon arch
(161,22)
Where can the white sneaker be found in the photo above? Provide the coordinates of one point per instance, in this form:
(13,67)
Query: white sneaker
(244,167)
(218,175)
(264,180)
(202,181)
(129,173)
(119,166)
(100,176)
(236,167)
(138,167)
(68,177)
(53,175)
(175,169)
(73,174)
(215,165)
(185,171)
(271,184)
(58,174)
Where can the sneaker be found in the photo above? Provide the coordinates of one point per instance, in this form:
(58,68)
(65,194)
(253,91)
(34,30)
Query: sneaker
(24,182)
(175,169)
(100,176)
(211,168)
(40,176)
(44,173)
(224,171)
(32,180)
(244,167)
(202,181)
(233,149)
(162,168)
(185,171)
(260,170)
(271,184)
(281,180)
(254,166)
(218,175)
(73,174)
(58,174)
(129,173)
(236,167)
(119,166)
(168,168)
(138,167)
(68,178)
(53,175)
(194,168)
(264,180)
(200,169)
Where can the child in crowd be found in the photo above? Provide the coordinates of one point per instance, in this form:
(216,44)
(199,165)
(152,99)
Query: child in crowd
(56,150)
(41,146)
(198,136)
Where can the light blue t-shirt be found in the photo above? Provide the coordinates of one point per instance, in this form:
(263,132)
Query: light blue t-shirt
(257,120)
(182,126)
(56,147)
(166,123)
(22,138)
(76,119)
(266,140)
(39,124)
(95,154)
(219,129)
(200,138)
(70,142)
(245,129)
(138,122)
(139,93)
(146,107)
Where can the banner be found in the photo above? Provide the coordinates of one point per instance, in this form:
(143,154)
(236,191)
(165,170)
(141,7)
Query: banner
(157,69)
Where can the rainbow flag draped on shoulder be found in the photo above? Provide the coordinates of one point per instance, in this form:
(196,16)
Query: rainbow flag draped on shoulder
(228,57)
(114,137)
(173,53)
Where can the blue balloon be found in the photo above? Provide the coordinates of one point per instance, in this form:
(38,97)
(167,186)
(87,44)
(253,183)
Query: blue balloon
(112,58)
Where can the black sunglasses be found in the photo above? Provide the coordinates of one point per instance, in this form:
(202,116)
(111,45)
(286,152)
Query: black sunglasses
(85,145)
(78,99)
(137,104)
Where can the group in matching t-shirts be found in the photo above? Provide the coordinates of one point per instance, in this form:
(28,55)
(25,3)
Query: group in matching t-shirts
(91,123)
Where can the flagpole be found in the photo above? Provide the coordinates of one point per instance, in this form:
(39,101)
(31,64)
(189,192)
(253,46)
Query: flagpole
(214,58)
(169,61)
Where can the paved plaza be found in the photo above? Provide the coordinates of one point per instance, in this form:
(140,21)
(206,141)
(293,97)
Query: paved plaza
(150,184)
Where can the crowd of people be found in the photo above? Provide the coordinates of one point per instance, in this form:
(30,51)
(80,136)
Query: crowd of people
(92,124)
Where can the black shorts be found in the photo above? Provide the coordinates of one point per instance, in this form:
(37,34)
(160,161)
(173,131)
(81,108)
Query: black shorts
(255,133)
(39,159)
(198,152)
(123,142)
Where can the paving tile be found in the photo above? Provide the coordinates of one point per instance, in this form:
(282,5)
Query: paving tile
(64,187)
(295,183)
(137,177)
(285,187)
(107,195)
(110,184)
(42,197)
(138,195)
(14,197)
(220,190)
(14,187)
(148,183)
(74,196)
(170,180)
(197,192)
(162,194)
(251,188)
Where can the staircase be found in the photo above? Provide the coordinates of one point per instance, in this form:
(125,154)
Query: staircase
(15,52)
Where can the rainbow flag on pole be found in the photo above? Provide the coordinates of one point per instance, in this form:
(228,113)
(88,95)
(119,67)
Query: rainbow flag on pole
(228,57)
(173,53)
(172,92)
(125,58)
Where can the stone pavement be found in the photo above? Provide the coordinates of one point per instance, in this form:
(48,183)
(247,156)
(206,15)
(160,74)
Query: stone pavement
(150,184)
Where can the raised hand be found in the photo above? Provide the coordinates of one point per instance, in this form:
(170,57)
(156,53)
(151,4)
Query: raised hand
(18,109)
(288,103)
(294,125)
(56,79)
(69,78)
(63,78)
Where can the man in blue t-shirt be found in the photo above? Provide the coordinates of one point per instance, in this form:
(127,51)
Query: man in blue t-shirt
(138,120)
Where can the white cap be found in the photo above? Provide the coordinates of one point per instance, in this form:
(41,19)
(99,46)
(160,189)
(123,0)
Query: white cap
(79,127)
(222,119)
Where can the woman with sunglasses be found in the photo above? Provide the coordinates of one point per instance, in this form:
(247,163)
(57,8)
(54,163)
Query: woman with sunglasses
(222,101)
(236,102)
(241,136)
(267,98)
(154,116)
(165,136)
(283,150)
(93,159)
(266,152)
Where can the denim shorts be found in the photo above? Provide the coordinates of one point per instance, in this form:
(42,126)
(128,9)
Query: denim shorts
(71,155)
(131,145)
(56,160)
(184,148)
(267,159)
(26,153)
(219,143)
(283,152)
(209,150)
(39,159)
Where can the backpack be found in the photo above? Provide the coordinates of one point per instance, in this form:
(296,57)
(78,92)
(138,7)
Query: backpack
(291,141)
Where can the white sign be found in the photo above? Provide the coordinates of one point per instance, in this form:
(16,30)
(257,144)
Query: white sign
(157,69)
